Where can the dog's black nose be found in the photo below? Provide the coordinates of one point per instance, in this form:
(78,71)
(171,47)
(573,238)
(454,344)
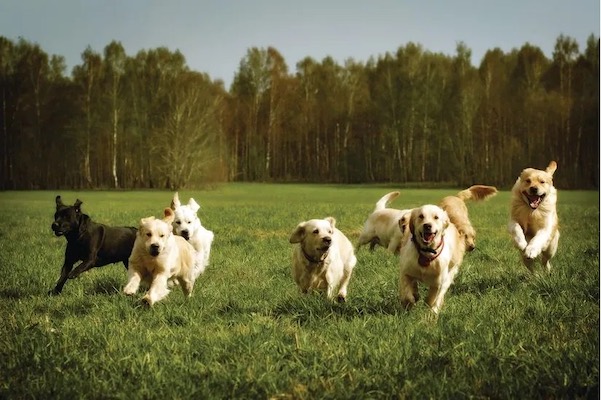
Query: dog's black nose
(327,240)
(54,226)
(185,234)
(154,249)
(533,190)
(427,227)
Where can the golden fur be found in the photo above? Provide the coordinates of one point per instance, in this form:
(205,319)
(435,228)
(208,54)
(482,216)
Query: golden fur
(431,254)
(324,258)
(383,226)
(534,225)
(158,256)
(457,210)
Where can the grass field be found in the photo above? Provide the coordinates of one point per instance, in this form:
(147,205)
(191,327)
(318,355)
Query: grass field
(248,333)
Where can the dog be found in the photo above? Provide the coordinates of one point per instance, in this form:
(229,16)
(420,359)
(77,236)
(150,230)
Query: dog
(158,256)
(457,210)
(384,226)
(431,254)
(534,224)
(324,258)
(187,224)
(94,244)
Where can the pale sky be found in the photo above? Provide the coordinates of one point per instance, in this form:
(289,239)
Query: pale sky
(214,35)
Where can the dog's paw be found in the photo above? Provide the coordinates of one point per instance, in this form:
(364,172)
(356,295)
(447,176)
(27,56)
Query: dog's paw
(54,292)
(531,252)
(341,298)
(147,301)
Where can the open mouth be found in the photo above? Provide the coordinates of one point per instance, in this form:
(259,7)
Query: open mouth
(428,237)
(534,200)
(59,233)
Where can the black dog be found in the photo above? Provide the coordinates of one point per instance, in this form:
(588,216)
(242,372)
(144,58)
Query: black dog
(91,243)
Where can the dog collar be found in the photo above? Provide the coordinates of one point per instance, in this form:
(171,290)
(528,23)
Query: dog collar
(313,260)
(426,256)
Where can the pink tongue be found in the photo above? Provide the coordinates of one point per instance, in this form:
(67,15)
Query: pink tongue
(428,237)
(534,201)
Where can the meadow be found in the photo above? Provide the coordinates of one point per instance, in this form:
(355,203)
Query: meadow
(247,332)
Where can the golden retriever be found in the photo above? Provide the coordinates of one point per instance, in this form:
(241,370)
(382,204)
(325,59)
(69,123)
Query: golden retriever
(534,225)
(457,210)
(431,254)
(384,226)
(324,258)
(158,256)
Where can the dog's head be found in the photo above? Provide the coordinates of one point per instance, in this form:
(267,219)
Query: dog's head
(156,233)
(427,225)
(468,233)
(186,222)
(315,235)
(66,218)
(534,185)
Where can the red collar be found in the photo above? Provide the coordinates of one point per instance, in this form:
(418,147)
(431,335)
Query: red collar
(426,256)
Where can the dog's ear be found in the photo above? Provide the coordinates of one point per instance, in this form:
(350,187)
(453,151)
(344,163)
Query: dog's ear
(194,206)
(143,222)
(412,218)
(299,233)
(445,220)
(59,202)
(551,168)
(77,205)
(169,215)
(175,202)
(332,221)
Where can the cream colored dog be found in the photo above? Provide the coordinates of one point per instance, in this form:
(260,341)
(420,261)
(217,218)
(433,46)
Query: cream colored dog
(431,254)
(158,256)
(384,226)
(534,225)
(187,225)
(457,210)
(324,258)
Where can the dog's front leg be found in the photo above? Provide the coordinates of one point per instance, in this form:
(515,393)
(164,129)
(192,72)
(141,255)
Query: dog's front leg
(70,260)
(133,281)
(538,243)
(407,291)
(158,289)
(517,233)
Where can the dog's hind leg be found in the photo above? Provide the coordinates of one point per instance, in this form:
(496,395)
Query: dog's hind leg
(187,285)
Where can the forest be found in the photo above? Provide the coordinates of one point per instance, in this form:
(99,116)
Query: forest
(409,116)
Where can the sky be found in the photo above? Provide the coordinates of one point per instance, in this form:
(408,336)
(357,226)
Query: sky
(214,35)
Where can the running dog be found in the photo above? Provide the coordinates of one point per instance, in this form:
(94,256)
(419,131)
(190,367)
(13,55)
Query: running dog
(324,258)
(94,244)
(158,256)
(432,255)
(457,210)
(385,226)
(534,225)
(187,225)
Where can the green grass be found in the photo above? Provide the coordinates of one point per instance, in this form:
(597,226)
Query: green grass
(247,332)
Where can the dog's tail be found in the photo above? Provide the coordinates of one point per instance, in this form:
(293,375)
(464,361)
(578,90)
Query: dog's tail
(477,193)
(381,204)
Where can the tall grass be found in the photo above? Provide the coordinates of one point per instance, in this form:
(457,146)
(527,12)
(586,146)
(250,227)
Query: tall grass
(248,333)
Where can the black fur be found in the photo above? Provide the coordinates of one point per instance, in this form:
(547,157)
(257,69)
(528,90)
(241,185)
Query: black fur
(91,243)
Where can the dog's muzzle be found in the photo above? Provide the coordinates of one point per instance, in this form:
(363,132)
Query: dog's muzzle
(154,250)
(56,228)
(327,242)
(534,198)
(185,234)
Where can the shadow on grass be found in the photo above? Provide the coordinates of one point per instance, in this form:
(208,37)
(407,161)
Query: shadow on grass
(106,286)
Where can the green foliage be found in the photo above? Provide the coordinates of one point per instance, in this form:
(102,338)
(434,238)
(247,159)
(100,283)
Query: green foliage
(247,332)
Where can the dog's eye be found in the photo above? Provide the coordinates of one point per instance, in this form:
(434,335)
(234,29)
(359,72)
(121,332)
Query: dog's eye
(421,216)
(148,234)
(436,217)
(316,231)
(178,222)
(162,235)
(542,181)
(330,231)
(528,181)
(189,222)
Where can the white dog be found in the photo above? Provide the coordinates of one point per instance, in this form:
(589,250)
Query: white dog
(158,256)
(431,254)
(324,258)
(385,226)
(534,223)
(187,224)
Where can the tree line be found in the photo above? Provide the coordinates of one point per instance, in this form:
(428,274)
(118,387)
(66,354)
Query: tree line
(410,116)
